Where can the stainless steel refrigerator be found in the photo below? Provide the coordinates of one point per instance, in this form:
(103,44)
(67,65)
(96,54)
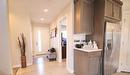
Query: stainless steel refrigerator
(111,48)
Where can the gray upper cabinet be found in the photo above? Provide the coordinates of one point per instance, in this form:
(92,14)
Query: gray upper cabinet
(108,8)
(113,9)
(83,16)
(117,9)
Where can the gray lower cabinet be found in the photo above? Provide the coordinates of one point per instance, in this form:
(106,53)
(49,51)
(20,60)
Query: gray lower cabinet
(86,63)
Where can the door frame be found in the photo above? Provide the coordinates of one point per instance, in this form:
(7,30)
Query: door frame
(59,37)
(35,29)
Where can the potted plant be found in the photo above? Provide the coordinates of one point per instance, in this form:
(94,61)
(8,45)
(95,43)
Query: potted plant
(21,44)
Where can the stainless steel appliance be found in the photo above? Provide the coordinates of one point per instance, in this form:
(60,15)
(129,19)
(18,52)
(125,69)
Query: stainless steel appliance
(111,48)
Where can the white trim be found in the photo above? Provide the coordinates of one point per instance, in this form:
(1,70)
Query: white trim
(29,64)
(59,36)
(120,69)
(59,59)
(125,68)
(70,70)
(18,65)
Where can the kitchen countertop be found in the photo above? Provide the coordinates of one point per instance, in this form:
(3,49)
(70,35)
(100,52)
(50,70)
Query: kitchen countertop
(89,50)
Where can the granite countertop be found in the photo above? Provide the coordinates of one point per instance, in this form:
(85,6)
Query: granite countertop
(88,50)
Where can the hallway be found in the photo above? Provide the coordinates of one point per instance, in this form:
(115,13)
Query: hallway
(43,67)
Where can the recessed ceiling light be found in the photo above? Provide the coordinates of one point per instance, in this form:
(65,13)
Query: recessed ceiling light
(42,19)
(45,10)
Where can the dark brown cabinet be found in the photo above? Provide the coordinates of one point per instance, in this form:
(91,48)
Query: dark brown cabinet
(113,9)
(83,12)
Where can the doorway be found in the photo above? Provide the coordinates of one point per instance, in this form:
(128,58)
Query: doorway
(41,45)
(63,41)
(63,35)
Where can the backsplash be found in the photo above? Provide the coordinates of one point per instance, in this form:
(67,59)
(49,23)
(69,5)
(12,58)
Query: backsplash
(79,38)
(82,38)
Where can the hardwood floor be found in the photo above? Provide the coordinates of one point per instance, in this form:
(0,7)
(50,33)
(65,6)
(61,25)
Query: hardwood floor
(43,67)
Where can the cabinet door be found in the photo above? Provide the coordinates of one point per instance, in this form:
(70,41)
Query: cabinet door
(108,8)
(77,27)
(83,10)
(117,11)
(87,16)
(77,61)
(80,63)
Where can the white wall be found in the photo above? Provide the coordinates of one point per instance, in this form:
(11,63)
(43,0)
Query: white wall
(68,12)
(124,64)
(125,41)
(45,38)
(5,51)
(20,23)
(70,41)
(54,40)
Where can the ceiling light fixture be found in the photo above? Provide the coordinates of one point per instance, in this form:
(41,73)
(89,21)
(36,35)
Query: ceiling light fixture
(42,19)
(45,10)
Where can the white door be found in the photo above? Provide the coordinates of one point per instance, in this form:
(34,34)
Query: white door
(125,44)
(41,40)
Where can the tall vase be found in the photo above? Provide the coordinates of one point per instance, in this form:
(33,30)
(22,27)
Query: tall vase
(23,62)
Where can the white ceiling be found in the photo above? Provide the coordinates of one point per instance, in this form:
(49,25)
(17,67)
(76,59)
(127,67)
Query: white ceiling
(54,7)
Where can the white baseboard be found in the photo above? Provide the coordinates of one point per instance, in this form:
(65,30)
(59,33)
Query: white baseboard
(19,65)
(59,60)
(70,70)
(29,64)
(124,68)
